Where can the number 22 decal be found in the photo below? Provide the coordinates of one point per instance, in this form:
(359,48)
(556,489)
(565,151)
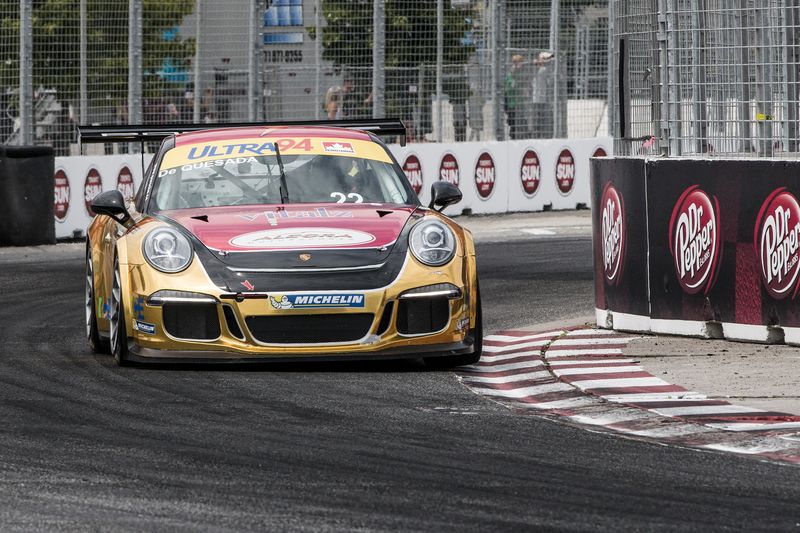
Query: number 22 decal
(342,197)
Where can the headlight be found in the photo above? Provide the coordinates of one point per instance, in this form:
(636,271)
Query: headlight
(167,250)
(432,242)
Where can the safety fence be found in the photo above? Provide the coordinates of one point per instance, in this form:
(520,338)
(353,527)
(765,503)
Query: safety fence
(453,70)
(705,77)
(698,247)
(494,177)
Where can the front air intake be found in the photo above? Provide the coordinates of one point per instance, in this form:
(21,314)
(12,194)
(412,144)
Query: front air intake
(418,316)
(191,321)
(310,329)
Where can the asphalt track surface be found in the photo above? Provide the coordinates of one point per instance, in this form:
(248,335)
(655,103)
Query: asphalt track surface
(85,445)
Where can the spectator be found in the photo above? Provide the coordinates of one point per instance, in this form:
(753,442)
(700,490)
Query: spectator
(333,103)
(353,105)
(542,95)
(513,100)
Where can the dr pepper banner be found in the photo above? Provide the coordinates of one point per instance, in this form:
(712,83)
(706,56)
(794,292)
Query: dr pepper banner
(724,243)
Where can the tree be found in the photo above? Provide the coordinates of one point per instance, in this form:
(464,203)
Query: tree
(56,46)
(410,46)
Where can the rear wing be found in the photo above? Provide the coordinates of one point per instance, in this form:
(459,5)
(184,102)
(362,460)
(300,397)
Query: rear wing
(390,127)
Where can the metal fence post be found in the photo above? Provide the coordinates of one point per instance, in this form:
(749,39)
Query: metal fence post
(439,68)
(318,58)
(555,30)
(135,62)
(252,74)
(26,71)
(198,93)
(498,64)
(764,83)
(84,82)
(378,57)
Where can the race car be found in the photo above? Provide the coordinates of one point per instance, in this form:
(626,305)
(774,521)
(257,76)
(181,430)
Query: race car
(278,243)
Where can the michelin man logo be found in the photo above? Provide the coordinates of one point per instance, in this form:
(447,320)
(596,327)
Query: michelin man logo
(283,303)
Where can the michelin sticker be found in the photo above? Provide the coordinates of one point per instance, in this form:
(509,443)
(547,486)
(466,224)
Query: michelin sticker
(287,238)
(316,301)
(144,327)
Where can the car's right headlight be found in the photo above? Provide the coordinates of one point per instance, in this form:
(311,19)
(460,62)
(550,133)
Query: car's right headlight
(167,250)
(432,242)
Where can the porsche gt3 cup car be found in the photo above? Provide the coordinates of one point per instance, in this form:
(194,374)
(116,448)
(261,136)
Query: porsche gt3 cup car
(275,243)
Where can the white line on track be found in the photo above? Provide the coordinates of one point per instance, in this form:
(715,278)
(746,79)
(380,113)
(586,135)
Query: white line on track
(587,342)
(656,397)
(569,403)
(534,363)
(613,416)
(596,370)
(765,446)
(589,332)
(522,338)
(591,362)
(706,410)
(500,349)
(524,392)
(618,383)
(566,352)
(507,379)
(673,430)
(749,426)
(502,357)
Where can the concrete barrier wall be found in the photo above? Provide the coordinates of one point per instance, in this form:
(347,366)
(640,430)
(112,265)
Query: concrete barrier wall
(494,177)
(707,248)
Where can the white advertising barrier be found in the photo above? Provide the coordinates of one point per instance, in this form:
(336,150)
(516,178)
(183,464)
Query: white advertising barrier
(79,179)
(498,177)
(494,177)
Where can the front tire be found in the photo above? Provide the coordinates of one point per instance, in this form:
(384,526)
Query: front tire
(119,331)
(97,344)
(450,361)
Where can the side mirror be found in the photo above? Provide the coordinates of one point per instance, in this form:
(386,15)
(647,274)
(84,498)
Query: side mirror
(444,193)
(112,204)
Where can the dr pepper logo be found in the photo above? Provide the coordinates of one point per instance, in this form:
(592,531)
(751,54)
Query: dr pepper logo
(484,175)
(613,233)
(61,201)
(777,239)
(448,169)
(530,173)
(413,169)
(694,235)
(565,172)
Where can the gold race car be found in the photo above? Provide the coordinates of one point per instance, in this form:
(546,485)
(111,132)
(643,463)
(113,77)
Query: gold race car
(277,243)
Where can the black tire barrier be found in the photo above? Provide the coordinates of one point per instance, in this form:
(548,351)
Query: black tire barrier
(26,195)
(698,247)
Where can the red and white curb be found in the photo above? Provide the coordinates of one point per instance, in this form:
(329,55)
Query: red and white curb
(582,375)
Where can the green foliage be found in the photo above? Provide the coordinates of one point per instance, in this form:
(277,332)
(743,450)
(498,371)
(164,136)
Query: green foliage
(56,45)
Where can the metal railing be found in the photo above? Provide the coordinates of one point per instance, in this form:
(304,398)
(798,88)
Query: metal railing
(453,70)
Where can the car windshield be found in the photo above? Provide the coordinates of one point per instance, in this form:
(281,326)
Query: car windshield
(231,175)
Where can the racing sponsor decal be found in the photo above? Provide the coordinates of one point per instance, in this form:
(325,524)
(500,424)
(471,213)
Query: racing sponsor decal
(61,200)
(103,308)
(91,188)
(694,235)
(777,241)
(294,238)
(247,285)
(248,148)
(274,217)
(448,169)
(338,147)
(125,182)
(144,327)
(613,233)
(530,172)
(138,307)
(485,175)
(565,172)
(316,301)
(599,152)
(413,169)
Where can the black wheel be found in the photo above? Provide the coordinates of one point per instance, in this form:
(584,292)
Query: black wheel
(96,344)
(451,361)
(119,331)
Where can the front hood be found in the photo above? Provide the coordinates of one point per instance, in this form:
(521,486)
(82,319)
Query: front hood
(301,227)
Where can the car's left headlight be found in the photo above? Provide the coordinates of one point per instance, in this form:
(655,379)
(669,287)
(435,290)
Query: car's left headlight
(167,250)
(432,242)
